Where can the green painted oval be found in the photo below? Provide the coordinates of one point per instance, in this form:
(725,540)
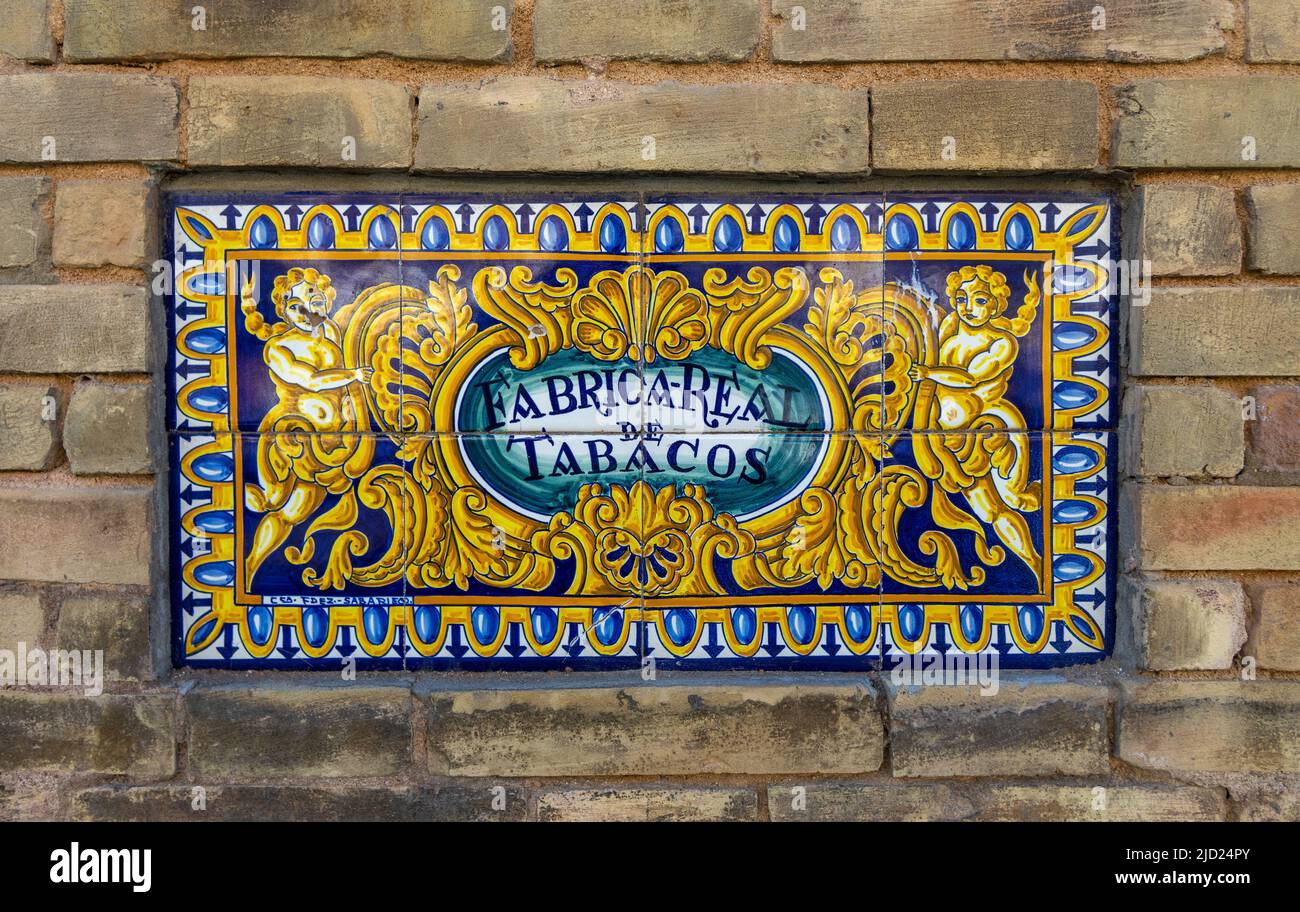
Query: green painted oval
(710,392)
(752,439)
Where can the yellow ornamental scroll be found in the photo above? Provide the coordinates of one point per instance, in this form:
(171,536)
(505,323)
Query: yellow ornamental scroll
(407,353)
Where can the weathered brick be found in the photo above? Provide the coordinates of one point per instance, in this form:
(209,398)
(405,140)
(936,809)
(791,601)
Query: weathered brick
(655,730)
(176,803)
(848,30)
(100,223)
(111,30)
(1188,624)
(1275,643)
(1273,31)
(1283,807)
(1029,728)
(1044,125)
(1211,726)
(116,622)
(1190,230)
(252,732)
(1223,527)
(22,619)
(1185,431)
(1276,431)
(574,125)
(1204,122)
(83,117)
(1274,225)
(71,733)
(26,34)
(651,803)
(20,218)
(567,30)
(29,428)
(1199,332)
(91,534)
(880,800)
(298,120)
(107,429)
(64,329)
(29,796)
(909,801)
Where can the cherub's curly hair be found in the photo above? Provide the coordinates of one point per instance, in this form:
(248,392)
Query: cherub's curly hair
(280,290)
(996,282)
(253,321)
(1023,321)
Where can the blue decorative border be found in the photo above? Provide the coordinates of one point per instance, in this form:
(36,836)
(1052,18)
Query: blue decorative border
(643,637)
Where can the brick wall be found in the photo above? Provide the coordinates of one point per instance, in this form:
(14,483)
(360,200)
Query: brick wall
(1195,105)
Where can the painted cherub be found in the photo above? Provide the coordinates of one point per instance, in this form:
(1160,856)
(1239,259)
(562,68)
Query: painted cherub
(977,351)
(309,437)
(304,355)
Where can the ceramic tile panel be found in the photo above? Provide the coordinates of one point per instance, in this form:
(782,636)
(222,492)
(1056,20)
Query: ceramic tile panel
(1019,296)
(521,387)
(523,550)
(999,544)
(766,315)
(288,550)
(775,547)
(332,352)
(766,347)
(540,431)
(253,279)
(525,315)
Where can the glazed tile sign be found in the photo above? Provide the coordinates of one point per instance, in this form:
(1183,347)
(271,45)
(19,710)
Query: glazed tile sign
(538,431)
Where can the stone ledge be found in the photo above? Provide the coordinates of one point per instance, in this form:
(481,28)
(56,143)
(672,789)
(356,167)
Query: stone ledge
(1028,728)
(1215,727)
(253,732)
(992,801)
(677,729)
(295,802)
